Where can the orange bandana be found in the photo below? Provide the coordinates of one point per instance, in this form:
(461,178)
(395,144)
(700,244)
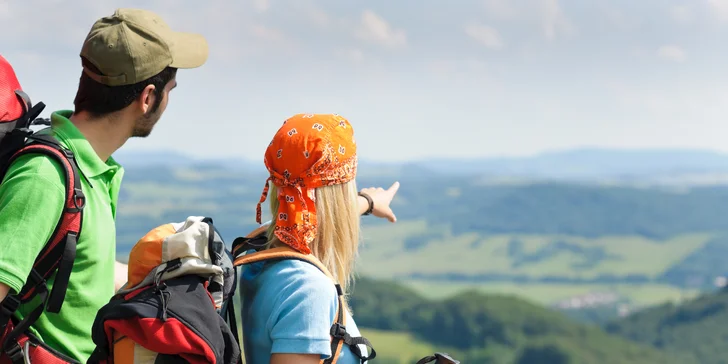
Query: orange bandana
(308,151)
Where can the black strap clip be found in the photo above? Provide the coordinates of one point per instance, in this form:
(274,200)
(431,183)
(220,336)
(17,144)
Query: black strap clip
(15,353)
(338,331)
(79,200)
(9,305)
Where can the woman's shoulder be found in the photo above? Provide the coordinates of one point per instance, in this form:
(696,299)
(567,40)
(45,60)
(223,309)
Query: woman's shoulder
(297,279)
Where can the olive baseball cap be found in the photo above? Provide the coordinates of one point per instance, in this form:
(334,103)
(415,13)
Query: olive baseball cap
(133,45)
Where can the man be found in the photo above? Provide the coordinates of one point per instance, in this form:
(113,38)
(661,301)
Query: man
(129,64)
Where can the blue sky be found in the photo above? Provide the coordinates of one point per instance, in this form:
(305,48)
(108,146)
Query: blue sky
(416,78)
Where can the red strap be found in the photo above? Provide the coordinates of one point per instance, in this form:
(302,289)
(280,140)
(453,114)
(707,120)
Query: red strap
(70,221)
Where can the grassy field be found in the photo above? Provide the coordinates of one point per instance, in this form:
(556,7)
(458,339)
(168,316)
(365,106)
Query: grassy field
(546,294)
(474,253)
(385,254)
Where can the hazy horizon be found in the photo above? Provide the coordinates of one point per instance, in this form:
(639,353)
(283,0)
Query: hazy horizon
(473,78)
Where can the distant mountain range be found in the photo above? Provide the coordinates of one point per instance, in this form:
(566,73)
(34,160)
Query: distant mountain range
(649,166)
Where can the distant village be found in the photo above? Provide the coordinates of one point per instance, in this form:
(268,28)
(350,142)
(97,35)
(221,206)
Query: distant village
(600,299)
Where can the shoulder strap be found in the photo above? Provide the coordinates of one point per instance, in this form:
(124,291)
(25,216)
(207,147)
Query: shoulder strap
(285,252)
(280,253)
(339,336)
(59,251)
(256,239)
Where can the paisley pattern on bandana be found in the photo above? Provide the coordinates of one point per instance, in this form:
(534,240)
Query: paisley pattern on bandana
(307,152)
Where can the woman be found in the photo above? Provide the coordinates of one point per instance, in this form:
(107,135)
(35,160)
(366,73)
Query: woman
(289,306)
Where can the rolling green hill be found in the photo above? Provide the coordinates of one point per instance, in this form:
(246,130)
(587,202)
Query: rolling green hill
(477,328)
(698,327)
(547,242)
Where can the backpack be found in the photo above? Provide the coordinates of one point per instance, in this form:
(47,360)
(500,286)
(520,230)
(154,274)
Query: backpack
(175,306)
(17,115)
(248,250)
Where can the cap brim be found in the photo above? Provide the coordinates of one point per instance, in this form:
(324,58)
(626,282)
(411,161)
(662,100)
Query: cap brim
(188,50)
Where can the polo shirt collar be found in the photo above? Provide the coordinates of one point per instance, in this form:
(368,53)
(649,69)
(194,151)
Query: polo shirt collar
(88,161)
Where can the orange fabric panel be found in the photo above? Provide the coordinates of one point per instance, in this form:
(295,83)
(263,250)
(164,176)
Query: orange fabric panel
(147,253)
(123,350)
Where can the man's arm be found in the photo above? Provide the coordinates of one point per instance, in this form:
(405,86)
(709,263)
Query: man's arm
(32,198)
(121,272)
(277,358)
(4,289)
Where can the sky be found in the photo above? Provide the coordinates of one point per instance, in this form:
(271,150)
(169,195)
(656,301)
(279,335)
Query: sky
(416,78)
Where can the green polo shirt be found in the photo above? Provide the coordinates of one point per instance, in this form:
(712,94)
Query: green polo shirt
(31,200)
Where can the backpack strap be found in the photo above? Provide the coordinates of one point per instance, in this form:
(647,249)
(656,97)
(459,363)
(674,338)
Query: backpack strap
(256,240)
(59,252)
(338,333)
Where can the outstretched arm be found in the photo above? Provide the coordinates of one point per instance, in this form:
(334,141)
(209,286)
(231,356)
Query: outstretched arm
(381,199)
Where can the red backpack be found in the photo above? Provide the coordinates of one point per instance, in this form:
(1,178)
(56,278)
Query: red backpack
(175,306)
(17,115)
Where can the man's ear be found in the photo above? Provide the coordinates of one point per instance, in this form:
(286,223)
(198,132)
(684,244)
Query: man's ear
(147,98)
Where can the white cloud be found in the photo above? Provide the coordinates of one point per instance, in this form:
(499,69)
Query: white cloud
(261,5)
(673,53)
(318,17)
(5,9)
(682,14)
(554,21)
(68,24)
(501,9)
(466,68)
(547,15)
(671,99)
(312,13)
(621,19)
(719,8)
(352,54)
(375,29)
(266,33)
(485,35)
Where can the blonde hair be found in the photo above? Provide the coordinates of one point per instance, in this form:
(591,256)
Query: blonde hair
(337,235)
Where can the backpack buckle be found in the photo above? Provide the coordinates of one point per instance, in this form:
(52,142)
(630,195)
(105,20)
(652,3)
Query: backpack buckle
(338,331)
(9,305)
(67,152)
(15,353)
(79,199)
